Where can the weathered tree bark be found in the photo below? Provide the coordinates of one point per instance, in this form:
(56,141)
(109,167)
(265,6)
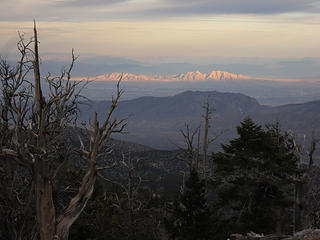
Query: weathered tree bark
(43,186)
(76,205)
(44,204)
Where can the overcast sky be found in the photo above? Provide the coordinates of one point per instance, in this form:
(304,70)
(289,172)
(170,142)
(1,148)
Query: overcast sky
(167,30)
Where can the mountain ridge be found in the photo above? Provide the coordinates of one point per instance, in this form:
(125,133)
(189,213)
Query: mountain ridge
(156,121)
(193,76)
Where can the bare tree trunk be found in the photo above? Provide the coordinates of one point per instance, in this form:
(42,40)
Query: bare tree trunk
(99,136)
(43,187)
(311,178)
(205,138)
(44,205)
(313,144)
(297,195)
(76,205)
(192,153)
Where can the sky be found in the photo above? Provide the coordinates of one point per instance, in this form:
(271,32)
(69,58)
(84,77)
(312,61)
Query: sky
(158,31)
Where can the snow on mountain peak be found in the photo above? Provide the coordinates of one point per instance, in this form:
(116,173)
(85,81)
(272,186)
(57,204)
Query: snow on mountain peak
(188,76)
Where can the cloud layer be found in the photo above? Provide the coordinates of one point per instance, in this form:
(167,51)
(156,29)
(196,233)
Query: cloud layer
(85,3)
(238,7)
(77,10)
(147,29)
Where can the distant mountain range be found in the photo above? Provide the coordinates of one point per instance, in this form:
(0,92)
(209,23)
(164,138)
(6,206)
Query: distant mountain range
(266,91)
(186,77)
(156,121)
(303,68)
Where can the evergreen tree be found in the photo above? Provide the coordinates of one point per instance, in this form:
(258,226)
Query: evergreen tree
(190,215)
(251,177)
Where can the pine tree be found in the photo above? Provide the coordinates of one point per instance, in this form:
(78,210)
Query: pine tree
(251,177)
(190,215)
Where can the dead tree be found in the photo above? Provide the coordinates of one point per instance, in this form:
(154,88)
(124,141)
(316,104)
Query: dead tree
(207,170)
(130,189)
(193,145)
(206,142)
(132,201)
(36,123)
(16,198)
(192,148)
(312,148)
(312,191)
(304,196)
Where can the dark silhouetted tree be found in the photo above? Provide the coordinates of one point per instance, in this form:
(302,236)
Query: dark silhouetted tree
(189,216)
(252,178)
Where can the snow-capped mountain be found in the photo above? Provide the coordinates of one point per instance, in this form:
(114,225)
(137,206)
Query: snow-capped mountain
(189,76)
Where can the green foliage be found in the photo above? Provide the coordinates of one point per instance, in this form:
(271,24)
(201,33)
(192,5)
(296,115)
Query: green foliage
(189,217)
(251,178)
